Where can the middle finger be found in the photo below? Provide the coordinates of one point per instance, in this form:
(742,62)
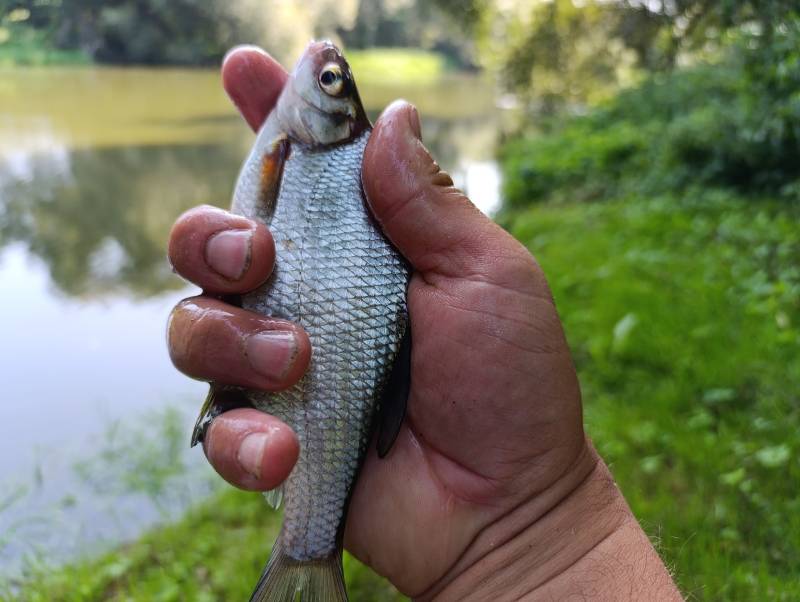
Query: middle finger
(221,252)
(211,340)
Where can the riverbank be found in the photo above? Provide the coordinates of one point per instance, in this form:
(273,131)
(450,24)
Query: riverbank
(216,552)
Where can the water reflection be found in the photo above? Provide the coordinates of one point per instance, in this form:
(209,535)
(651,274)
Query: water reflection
(99,218)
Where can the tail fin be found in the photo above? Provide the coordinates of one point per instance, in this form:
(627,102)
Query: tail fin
(286,579)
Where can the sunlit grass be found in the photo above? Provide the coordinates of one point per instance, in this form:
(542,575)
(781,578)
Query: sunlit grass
(396,65)
(683,315)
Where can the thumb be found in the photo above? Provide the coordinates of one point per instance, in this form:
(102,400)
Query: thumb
(430,222)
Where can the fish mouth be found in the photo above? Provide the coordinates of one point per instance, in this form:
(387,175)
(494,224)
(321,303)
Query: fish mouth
(349,113)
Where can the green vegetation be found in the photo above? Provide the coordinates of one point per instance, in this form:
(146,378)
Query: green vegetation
(680,291)
(396,65)
(684,321)
(199,32)
(21,45)
(732,124)
(215,553)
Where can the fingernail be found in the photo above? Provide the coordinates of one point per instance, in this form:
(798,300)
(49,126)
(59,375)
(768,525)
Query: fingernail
(228,253)
(251,451)
(272,353)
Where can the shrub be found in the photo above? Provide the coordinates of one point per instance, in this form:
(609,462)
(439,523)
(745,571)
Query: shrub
(734,124)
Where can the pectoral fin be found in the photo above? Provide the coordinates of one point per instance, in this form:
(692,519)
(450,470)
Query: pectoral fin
(392,409)
(219,399)
(272,171)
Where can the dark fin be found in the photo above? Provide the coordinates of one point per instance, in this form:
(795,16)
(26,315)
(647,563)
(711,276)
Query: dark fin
(219,399)
(314,580)
(272,169)
(395,397)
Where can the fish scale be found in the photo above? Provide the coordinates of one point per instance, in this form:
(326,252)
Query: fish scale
(339,278)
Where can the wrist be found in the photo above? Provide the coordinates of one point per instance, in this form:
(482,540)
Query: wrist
(550,545)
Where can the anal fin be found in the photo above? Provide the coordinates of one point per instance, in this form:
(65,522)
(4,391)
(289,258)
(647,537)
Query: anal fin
(219,399)
(274,497)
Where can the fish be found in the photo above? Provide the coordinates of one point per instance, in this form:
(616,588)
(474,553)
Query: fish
(338,276)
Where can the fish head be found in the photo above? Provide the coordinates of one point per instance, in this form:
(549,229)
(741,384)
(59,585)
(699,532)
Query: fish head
(320,104)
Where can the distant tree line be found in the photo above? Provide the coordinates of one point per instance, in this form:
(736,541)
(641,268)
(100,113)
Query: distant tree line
(709,97)
(198,32)
(561,51)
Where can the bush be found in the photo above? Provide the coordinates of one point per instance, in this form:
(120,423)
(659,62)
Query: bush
(734,124)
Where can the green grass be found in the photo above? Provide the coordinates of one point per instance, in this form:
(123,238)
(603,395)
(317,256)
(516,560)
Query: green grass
(684,320)
(396,65)
(216,552)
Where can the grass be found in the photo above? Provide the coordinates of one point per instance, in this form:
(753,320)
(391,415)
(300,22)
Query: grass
(684,321)
(396,65)
(216,552)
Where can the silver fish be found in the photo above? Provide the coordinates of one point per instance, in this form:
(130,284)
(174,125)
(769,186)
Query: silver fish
(345,284)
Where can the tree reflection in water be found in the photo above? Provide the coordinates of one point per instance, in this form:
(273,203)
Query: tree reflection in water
(99,218)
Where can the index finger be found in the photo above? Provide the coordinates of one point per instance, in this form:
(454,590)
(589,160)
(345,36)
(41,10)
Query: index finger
(253,80)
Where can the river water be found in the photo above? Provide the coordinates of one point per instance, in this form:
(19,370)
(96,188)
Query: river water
(95,165)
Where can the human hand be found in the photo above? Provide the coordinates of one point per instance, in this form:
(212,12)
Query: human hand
(492,466)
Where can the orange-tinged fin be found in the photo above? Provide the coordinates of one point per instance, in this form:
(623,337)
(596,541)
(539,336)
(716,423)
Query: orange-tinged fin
(272,170)
(286,579)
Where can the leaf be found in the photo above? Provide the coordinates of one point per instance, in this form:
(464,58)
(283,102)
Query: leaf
(717,396)
(732,478)
(622,332)
(651,464)
(772,457)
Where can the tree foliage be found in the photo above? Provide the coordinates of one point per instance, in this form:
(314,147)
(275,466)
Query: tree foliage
(200,31)
(557,54)
(141,32)
(732,123)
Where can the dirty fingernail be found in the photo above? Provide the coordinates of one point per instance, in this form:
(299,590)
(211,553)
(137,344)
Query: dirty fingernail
(272,353)
(251,452)
(228,252)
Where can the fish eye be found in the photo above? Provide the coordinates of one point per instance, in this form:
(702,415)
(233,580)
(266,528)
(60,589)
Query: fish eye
(331,80)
